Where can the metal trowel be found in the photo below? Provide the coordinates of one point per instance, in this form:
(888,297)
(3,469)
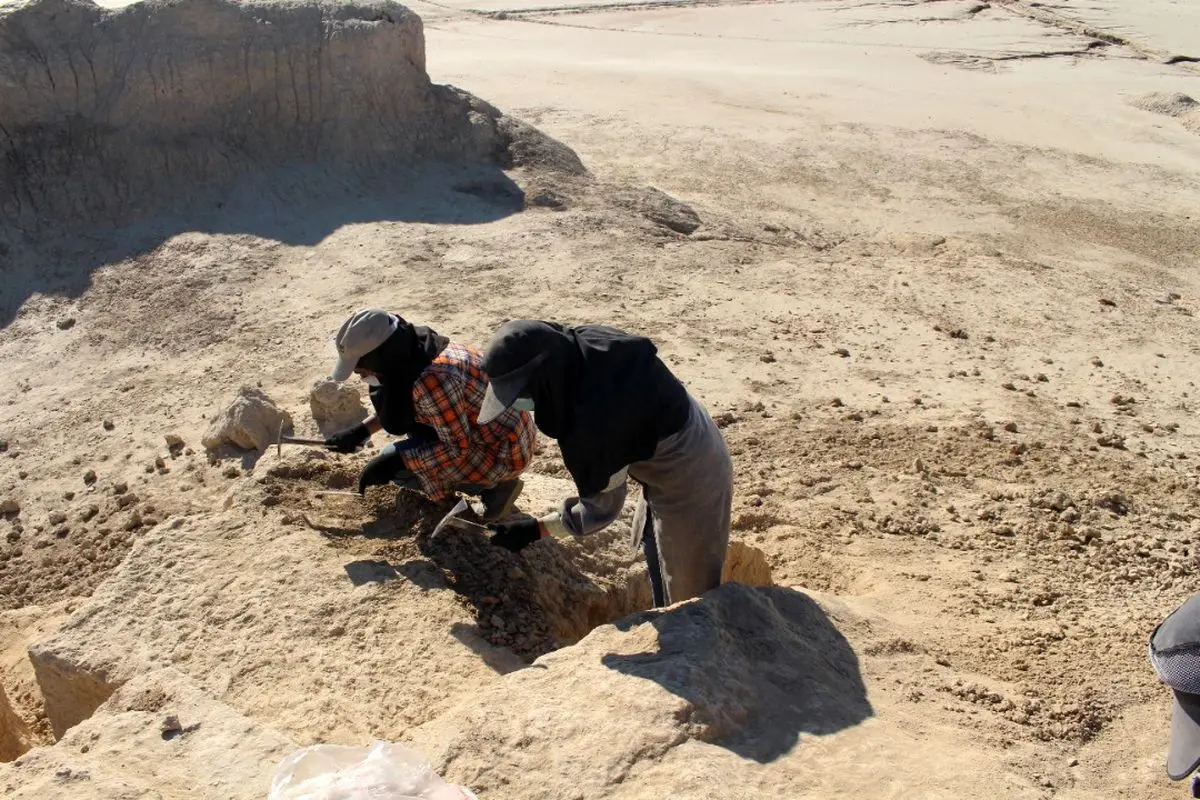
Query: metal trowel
(453,518)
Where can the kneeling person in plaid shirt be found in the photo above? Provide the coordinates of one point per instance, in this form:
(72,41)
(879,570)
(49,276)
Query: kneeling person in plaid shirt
(429,389)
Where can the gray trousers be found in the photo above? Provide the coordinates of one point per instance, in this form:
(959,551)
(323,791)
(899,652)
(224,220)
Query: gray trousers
(682,521)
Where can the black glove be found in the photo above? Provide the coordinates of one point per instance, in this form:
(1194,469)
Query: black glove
(381,469)
(515,536)
(349,441)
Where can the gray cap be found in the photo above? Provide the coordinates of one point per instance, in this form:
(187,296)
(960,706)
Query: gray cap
(1175,654)
(360,334)
(503,390)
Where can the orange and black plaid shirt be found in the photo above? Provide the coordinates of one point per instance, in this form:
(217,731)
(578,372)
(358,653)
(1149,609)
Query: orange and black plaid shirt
(447,397)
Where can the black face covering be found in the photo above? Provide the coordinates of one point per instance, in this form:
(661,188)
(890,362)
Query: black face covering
(399,362)
(603,394)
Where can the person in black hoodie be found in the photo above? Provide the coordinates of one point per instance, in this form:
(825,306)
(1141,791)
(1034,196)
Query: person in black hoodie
(618,412)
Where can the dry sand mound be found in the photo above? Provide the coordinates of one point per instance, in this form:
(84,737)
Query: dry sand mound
(1172,104)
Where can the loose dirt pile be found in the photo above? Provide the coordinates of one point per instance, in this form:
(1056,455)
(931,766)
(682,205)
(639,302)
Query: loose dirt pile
(1176,104)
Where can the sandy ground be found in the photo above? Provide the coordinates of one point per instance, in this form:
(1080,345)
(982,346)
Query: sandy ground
(944,298)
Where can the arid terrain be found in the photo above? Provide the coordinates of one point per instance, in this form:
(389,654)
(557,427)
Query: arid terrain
(931,266)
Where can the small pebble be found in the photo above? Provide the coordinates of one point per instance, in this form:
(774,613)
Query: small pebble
(108,425)
(89,477)
(66,323)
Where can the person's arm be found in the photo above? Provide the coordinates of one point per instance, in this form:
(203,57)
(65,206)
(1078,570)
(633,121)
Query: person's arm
(581,516)
(576,517)
(349,440)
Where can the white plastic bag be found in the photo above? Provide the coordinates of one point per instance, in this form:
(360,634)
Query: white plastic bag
(384,771)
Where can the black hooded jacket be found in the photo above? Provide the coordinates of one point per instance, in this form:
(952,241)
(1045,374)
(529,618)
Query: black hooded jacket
(603,394)
(400,361)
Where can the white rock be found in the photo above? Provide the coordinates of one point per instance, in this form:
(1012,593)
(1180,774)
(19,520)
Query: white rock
(335,405)
(251,422)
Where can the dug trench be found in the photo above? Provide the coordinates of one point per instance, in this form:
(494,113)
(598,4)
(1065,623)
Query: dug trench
(317,587)
(547,597)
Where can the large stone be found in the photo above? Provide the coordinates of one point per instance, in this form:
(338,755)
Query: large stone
(160,735)
(693,702)
(335,406)
(251,422)
(660,208)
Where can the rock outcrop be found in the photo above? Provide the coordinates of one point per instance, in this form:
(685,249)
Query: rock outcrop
(744,693)
(334,618)
(159,736)
(277,623)
(109,116)
(746,670)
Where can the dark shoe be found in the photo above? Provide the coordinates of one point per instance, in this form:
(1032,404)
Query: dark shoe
(499,500)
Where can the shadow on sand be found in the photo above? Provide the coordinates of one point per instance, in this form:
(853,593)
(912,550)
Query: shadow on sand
(299,207)
(759,666)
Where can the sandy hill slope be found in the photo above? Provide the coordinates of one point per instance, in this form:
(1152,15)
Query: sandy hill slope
(930,264)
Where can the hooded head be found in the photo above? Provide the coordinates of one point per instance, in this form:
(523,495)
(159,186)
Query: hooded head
(394,351)
(529,359)
(600,392)
(364,332)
